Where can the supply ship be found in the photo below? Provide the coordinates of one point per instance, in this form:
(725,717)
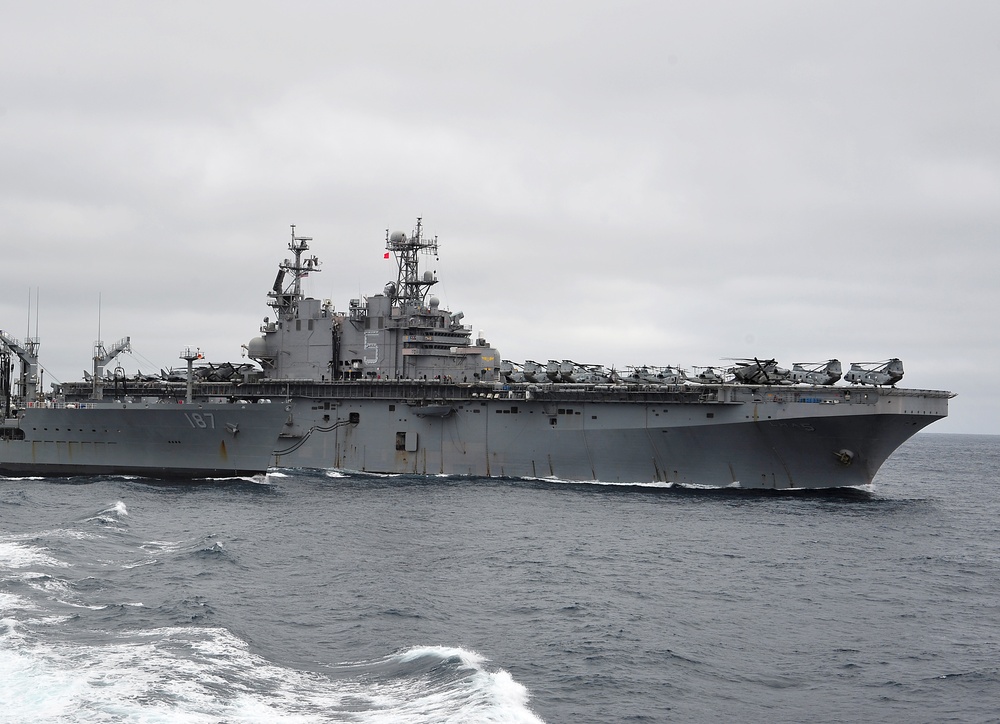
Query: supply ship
(397,384)
(158,437)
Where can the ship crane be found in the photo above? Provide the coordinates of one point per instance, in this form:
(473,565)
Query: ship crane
(102,357)
(28,354)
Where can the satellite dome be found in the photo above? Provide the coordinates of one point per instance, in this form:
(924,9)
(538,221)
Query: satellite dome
(257,349)
(434,302)
(397,237)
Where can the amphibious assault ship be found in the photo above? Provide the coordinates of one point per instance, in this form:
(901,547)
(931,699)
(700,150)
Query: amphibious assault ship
(397,384)
(161,437)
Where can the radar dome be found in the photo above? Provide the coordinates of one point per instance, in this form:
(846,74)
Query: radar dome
(434,302)
(398,237)
(257,348)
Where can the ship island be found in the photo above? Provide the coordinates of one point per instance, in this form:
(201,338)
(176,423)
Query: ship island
(396,384)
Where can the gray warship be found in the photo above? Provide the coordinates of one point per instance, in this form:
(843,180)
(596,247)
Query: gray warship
(153,437)
(394,383)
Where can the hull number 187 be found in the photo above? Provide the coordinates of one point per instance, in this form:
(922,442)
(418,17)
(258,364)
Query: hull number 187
(201,420)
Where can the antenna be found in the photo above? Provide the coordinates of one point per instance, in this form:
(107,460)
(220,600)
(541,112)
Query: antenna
(411,288)
(285,301)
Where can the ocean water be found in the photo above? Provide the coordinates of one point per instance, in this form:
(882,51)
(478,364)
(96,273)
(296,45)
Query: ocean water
(318,596)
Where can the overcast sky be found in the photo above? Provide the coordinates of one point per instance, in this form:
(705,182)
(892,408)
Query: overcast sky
(610,182)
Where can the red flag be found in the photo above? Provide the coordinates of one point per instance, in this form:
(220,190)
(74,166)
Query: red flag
(386,255)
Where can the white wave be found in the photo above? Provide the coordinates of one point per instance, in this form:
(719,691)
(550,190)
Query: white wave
(344,473)
(618,484)
(137,564)
(469,659)
(53,587)
(476,695)
(195,675)
(18,555)
(56,533)
(258,479)
(164,546)
(10,603)
(111,516)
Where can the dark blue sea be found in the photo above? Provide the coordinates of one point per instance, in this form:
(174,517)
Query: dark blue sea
(315,596)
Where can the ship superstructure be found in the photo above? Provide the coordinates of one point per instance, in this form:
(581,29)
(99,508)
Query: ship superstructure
(396,384)
(401,333)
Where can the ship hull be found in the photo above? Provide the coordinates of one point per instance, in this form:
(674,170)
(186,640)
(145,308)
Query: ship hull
(773,438)
(157,440)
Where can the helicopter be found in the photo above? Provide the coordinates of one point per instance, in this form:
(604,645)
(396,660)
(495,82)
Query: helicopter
(888,372)
(591,374)
(573,372)
(533,372)
(707,376)
(817,373)
(512,372)
(655,376)
(760,372)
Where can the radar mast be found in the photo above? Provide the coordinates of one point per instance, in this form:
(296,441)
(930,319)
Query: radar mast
(411,289)
(284,300)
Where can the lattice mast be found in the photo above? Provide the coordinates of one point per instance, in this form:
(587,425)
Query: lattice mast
(411,288)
